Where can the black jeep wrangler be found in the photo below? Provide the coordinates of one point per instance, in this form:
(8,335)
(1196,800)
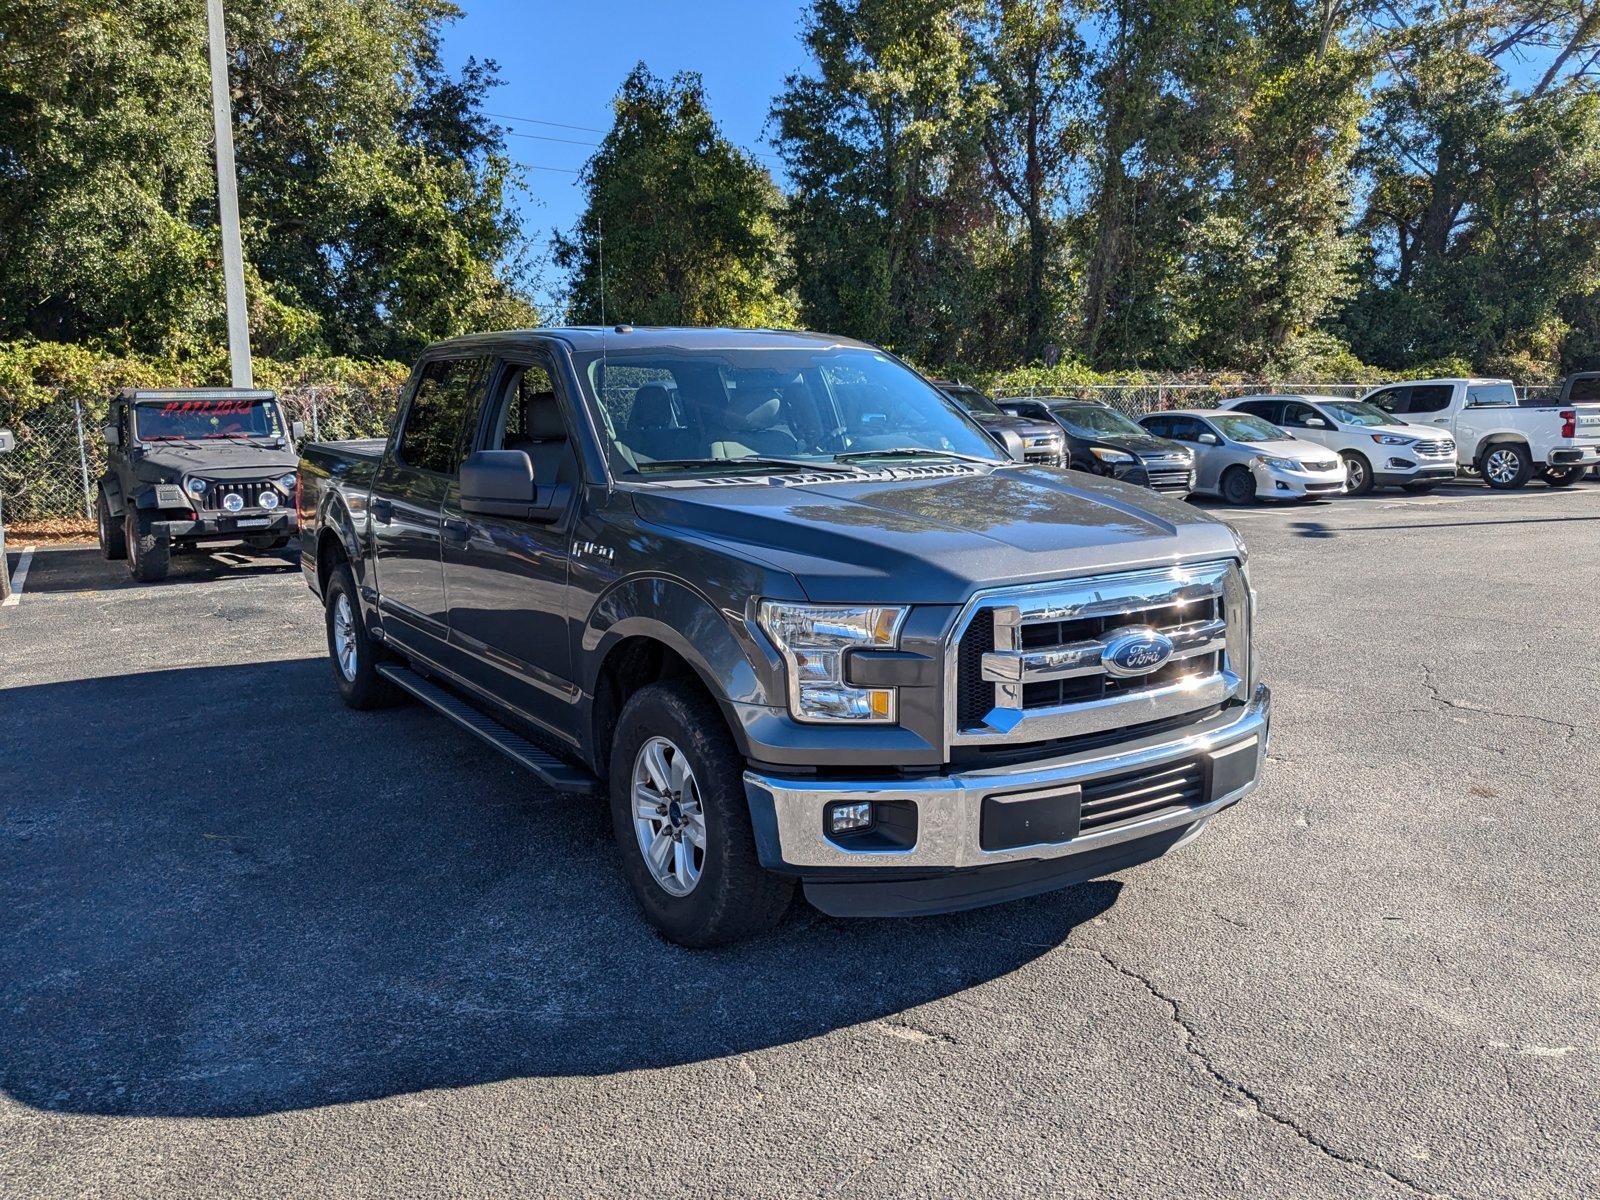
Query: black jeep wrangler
(195,465)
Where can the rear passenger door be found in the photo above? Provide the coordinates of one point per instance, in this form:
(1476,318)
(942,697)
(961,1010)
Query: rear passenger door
(506,578)
(418,471)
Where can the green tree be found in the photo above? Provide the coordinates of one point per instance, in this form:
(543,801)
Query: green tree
(882,140)
(374,196)
(682,221)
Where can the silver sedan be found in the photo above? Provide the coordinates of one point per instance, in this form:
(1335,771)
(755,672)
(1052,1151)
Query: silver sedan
(1244,459)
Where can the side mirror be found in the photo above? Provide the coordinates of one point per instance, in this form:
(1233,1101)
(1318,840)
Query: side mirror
(1013,445)
(297,431)
(499,483)
(8,441)
(1209,439)
(111,435)
(1316,423)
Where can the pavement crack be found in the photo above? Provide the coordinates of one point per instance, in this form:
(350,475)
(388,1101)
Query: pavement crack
(905,1030)
(1260,1105)
(1437,696)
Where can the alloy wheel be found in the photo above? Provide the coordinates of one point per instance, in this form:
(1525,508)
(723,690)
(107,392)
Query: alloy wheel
(1502,465)
(1355,473)
(344,637)
(668,818)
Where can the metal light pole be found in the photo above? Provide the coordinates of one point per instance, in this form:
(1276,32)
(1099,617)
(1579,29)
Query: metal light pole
(7,442)
(228,201)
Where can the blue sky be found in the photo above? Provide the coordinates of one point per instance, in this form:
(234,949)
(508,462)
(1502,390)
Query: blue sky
(563,62)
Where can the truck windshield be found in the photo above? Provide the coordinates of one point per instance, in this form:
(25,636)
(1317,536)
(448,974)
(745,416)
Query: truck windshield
(1092,421)
(1354,412)
(1242,427)
(193,420)
(683,412)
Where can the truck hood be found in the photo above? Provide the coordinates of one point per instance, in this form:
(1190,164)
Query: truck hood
(220,458)
(936,535)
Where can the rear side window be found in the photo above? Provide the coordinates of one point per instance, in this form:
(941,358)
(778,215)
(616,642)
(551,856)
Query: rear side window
(437,414)
(1434,398)
(1265,409)
(1160,427)
(1584,389)
(1489,395)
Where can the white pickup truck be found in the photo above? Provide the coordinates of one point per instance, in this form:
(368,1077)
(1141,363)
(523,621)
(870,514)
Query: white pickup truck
(1505,443)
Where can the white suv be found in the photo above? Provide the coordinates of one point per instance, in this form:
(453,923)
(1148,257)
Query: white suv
(1378,450)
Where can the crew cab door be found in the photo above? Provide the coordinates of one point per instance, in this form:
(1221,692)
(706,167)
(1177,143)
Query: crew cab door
(506,577)
(417,473)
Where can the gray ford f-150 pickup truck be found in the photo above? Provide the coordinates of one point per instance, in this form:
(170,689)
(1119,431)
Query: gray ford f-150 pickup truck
(780,598)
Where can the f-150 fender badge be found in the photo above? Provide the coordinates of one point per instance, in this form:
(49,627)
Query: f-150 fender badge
(1136,651)
(593,550)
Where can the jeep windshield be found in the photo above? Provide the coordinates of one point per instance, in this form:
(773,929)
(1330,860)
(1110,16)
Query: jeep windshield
(202,420)
(689,412)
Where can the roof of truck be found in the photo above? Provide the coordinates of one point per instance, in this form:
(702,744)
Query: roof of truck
(590,338)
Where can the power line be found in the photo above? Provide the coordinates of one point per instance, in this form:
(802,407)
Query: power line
(544,137)
(540,137)
(537,167)
(538,121)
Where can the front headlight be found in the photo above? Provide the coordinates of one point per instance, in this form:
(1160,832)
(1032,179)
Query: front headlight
(1279,464)
(1392,439)
(196,487)
(286,483)
(815,640)
(1110,456)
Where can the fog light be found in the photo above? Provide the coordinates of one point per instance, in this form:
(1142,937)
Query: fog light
(842,818)
(233,502)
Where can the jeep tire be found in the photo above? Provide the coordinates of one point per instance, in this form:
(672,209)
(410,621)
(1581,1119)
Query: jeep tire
(113,534)
(149,556)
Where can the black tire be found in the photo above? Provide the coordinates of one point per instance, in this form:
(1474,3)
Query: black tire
(113,536)
(1238,486)
(1506,466)
(1560,477)
(733,898)
(360,685)
(1357,473)
(1421,488)
(149,556)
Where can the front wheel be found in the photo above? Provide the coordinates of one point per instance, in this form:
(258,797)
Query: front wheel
(1506,467)
(1559,477)
(113,535)
(1239,486)
(355,658)
(1357,473)
(149,556)
(682,822)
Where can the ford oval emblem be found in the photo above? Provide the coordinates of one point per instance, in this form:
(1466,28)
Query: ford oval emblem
(1135,651)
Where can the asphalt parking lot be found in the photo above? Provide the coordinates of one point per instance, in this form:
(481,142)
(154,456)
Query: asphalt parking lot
(257,944)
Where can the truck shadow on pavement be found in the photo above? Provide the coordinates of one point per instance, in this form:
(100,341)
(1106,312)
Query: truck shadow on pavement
(226,895)
(82,569)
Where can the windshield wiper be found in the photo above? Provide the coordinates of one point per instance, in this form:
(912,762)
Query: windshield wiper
(910,452)
(753,460)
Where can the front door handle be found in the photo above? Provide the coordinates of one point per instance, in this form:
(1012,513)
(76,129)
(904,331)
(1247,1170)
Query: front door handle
(381,510)
(457,530)
(1441,420)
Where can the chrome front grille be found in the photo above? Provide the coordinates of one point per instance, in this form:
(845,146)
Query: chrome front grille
(1048,661)
(1441,446)
(250,491)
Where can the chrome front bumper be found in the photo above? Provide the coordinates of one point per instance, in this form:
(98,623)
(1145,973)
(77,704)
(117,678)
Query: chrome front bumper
(789,813)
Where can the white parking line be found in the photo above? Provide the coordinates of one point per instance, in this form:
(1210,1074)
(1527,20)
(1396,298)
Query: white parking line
(18,577)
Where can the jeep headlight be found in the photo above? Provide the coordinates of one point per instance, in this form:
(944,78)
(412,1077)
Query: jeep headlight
(816,641)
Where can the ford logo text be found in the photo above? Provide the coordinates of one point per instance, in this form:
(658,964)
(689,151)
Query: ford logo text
(1135,651)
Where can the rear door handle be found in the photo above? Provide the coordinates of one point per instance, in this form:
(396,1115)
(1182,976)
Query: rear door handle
(381,510)
(457,530)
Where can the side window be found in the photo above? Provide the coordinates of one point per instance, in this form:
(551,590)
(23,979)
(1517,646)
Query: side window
(1584,389)
(1267,410)
(122,425)
(1183,429)
(1431,399)
(1392,400)
(1160,427)
(446,393)
(527,413)
(1294,415)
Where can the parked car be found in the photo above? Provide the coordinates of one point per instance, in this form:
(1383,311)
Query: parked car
(1102,441)
(1243,459)
(1506,443)
(1581,387)
(193,465)
(785,605)
(1377,450)
(1041,440)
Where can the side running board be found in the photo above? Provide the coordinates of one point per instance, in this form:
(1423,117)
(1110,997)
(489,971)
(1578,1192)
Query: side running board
(551,771)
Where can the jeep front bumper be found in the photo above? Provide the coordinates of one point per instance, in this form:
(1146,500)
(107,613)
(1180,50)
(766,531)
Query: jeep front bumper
(226,526)
(961,840)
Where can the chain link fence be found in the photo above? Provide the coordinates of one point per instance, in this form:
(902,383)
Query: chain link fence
(48,482)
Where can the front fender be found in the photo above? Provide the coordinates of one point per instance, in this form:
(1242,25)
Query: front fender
(736,665)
